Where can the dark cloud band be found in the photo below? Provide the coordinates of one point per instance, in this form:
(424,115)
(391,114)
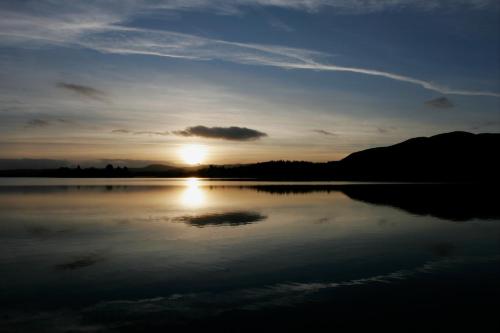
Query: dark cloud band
(440,103)
(84,91)
(126,131)
(37,123)
(227,133)
(323,132)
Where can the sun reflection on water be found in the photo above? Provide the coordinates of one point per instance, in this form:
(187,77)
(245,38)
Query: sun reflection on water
(193,196)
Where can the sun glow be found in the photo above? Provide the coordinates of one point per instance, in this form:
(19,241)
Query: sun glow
(193,154)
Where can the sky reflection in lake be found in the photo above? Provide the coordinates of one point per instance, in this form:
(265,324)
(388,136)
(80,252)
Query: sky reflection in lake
(186,253)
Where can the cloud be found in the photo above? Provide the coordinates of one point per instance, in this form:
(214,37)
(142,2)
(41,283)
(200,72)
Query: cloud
(84,91)
(440,103)
(352,7)
(279,24)
(176,45)
(121,131)
(422,83)
(484,124)
(369,6)
(323,132)
(101,27)
(31,163)
(65,121)
(385,130)
(11,105)
(101,163)
(126,131)
(151,133)
(37,123)
(227,133)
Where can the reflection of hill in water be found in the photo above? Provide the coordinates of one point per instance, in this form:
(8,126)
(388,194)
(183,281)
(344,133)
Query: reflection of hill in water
(455,202)
(293,189)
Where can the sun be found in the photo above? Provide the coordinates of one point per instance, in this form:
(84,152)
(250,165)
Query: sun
(193,154)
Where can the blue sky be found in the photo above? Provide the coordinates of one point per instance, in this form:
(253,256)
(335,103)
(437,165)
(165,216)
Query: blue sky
(90,80)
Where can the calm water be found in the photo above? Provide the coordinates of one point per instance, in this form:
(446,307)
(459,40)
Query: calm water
(137,254)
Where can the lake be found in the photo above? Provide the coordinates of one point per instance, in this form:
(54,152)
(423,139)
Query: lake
(137,255)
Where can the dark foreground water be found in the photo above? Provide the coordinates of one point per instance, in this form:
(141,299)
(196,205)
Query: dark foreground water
(153,255)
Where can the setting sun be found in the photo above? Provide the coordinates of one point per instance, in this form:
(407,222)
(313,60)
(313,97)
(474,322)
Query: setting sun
(193,154)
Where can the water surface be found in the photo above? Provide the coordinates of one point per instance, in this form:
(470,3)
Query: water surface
(137,254)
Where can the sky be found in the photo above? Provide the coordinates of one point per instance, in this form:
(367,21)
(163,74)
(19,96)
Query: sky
(136,81)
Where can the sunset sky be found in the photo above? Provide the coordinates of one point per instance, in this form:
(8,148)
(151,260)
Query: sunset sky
(246,80)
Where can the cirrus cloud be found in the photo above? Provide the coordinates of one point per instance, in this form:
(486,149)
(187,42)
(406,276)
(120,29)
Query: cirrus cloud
(105,28)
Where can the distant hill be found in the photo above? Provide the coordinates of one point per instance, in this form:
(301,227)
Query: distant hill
(156,168)
(448,157)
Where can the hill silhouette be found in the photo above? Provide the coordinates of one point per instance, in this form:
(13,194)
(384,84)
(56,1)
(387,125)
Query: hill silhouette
(448,157)
(445,157)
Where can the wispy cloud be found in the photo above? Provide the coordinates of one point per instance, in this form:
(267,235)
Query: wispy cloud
(177,45)
(369,6)
(31,163)
(101,28)
(279,24)
(85,91)
(121,131)
(126,131)
(227,133)
(152,133)
(386,129)
(486,124)
(341,6)
(323,132)
(37,123)
(440,103)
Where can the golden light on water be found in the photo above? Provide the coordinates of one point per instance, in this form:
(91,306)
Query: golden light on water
(192,196)
(193,154)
